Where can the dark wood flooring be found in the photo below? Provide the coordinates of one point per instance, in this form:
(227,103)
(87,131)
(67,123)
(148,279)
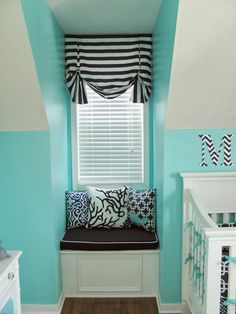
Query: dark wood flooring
(109,306)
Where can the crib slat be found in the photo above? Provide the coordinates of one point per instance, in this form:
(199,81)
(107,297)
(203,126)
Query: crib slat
(214,217)
(213,273)
(202,267)
(226,218)
(233,217)
(198,252)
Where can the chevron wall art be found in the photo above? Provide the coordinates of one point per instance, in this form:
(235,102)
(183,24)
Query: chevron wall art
(214,155)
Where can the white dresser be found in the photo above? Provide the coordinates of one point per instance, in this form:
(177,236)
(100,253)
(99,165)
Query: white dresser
(9,284)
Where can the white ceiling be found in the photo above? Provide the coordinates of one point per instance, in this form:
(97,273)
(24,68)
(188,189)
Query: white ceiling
(105,16)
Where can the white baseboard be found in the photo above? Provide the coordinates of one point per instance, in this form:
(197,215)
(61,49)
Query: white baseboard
(43,308)
(168,308)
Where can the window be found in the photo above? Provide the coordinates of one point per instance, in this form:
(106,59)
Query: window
(109,141)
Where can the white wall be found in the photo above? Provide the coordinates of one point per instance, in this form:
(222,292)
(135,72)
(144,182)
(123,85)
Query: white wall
(203,81)
(21,105)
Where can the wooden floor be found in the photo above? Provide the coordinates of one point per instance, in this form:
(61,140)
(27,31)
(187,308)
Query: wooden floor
(109,306)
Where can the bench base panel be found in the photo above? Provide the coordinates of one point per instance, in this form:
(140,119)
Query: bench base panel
(110,273)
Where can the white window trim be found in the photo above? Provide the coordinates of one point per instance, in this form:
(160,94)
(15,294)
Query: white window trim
(74,142)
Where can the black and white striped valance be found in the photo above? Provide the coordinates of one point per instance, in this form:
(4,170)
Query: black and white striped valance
(109,64)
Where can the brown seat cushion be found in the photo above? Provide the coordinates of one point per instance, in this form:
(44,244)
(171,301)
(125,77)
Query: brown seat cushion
(108,239)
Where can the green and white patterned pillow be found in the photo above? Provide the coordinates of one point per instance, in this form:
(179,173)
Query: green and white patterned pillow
(108,208)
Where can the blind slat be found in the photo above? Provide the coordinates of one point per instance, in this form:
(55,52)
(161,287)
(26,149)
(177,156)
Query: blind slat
(110,140)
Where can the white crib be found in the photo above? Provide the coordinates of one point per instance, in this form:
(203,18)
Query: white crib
(209,248)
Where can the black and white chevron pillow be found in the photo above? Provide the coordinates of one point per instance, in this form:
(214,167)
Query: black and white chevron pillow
(142,207)
(77,206)
(108,208)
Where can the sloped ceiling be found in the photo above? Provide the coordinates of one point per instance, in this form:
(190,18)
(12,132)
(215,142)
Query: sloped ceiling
(21,103)
(105,16)
(202,93)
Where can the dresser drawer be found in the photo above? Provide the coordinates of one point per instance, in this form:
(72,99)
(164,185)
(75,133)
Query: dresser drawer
(10,284)
(7,278)
(8,308)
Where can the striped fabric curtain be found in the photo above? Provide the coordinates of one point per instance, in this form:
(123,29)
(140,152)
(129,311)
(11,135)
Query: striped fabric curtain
(109,64)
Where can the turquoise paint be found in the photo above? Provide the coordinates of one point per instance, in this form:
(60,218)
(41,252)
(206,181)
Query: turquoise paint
(46,32)
(163,42)
(182,151)
(26,216)
(174,152)
(47,42)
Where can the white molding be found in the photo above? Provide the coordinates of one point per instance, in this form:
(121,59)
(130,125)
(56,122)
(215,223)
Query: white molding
(208,175)
(168,307)
(43,308)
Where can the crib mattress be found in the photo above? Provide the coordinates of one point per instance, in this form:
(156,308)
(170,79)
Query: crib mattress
(108,239)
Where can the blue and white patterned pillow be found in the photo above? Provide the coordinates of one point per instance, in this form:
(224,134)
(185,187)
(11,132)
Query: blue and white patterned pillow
(77,205)
(108,208)
(141,208)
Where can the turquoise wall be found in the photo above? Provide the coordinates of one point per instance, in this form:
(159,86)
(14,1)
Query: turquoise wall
(47,42)
(182,151)
(34,166)
(174,151)
(163,42)
(26,216)
(34,169)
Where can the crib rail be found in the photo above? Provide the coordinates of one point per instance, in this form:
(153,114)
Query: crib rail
(203,241)
(197,210)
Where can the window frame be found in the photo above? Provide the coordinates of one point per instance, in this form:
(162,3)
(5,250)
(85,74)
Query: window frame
(74,150)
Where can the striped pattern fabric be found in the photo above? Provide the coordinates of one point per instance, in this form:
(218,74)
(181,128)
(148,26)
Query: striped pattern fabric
(109,64)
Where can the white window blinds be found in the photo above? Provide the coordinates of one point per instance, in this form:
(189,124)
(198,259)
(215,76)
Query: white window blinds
(110,140)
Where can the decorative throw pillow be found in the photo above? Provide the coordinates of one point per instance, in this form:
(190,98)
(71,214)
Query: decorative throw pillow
(108,208)
(77,205)
(141,208)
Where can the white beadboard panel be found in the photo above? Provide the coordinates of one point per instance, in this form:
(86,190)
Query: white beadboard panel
(110,273)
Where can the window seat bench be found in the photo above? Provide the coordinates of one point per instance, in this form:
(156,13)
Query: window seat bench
(108,239)
(109,262)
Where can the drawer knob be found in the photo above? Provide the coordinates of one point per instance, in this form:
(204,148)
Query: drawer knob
(11,276)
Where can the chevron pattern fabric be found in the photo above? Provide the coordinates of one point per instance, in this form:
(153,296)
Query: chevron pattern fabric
(214,155)
(109,64)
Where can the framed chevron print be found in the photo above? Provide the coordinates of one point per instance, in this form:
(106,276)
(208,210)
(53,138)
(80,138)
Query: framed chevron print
(224,149)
